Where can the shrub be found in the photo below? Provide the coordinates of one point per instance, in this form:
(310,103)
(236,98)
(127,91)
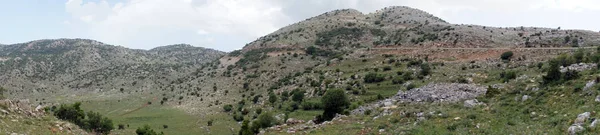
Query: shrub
(2,90)
(266,120)
(209,123)
(397,80)
(334,102)
(506,55)
(425,69)
(72,113)
(410,86)
(553,73)
(98,124)
(165,126)
(374,78)
(387,68)
(245,129)
(297,95)
(227,108)
(508,75)
(121,126)
(310,105)
(146,130)
(273,98)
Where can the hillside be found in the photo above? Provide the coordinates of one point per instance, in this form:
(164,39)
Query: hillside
(403,70)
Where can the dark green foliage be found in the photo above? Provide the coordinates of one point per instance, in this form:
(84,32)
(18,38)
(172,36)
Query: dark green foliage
(284,96)
(374,78)
(491,92)
(411,86)
(326,38)
(553,74)
(508,75)
(378,32)
(98,124)
(578,56)
(297,95)
(387,68)
(235,53)
(334,102)
(146,130)
(93,122)
(254,56)
(245,130)
(72,113)
(571,75)
(407,76)
(425,69)
(506,55)
(312,50)
(397,80)
(311,105)
(238,117)
(266,120)
(121,127)
(227,108)
(209,123)
(272,98)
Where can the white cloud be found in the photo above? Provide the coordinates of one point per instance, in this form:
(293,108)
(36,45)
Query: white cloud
(232,23)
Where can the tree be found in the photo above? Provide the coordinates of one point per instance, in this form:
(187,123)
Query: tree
(298,96)
(553,74)
(72,113)
(272,98)
(374,78)
(266,120)
(227,108)
(245,130)
(146,130)
(425,69)
(284,95)
(121,127)
(311,50)
(578,56)
(96,123)
(506,55)
(334,102)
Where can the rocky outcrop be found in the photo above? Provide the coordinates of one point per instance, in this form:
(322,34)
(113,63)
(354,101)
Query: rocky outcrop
(578,67)
(578,123)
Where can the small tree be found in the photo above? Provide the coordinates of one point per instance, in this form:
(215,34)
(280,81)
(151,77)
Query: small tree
(553,74)
(272,98)
(334,102)
(245,130)
(266,120)
(146,130)
(298,96)
(374,78)
(425,69)
(227,107)
(506,55)
(96,123)
(121,126)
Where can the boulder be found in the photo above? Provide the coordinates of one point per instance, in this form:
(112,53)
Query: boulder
(472,103)
(581,118)
(575,128)
(594,123)
(597,98)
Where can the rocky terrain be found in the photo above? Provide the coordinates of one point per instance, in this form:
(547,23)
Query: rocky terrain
(404,71)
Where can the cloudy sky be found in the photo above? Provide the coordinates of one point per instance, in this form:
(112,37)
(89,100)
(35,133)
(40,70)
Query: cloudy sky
(230,24)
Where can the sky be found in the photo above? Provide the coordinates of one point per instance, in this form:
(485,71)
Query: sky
(228,25)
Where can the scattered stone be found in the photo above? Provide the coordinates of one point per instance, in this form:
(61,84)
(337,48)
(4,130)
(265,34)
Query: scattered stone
(581,118)
(472,103)
(381,130)
(442,92)
(589,85)
(457,118)
(597,98)
(575,128)
(525,98)
(578,67)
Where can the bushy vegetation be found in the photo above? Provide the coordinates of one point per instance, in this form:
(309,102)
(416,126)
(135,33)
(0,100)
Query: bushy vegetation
(374,78)
(506,55)
(94,122)
(334,102)
(327,38)
(508,75)
(146,130)
(2,90)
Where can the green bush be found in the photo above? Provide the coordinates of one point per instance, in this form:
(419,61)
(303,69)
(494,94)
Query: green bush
(146,130)
(227,108)
(266,120)
(506,55)
(397,80)
(97,124)
(425,69)
(297,95)
(334,102)
(508,75)
(374,78)
(311,105)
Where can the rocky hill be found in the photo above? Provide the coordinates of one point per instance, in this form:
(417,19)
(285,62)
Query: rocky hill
(397,62)
(408,27)
(54,66)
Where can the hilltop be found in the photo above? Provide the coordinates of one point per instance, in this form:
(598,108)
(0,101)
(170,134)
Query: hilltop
(402,69)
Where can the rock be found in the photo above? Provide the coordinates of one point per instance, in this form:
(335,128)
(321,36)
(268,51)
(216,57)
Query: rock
(14,134)
(581,118)
(472,103)
(525,98)
(575,128)
(589,85)
(4,111)
(381,130)
(597,98)
(387,104)
(578,67)
(594,123)
(457,118)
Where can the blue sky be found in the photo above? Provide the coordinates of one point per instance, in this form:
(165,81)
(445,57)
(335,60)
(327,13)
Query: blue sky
(230,24)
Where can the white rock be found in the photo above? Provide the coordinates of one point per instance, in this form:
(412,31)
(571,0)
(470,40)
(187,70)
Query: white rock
(594,123)
(597,98)
(387,103)
(471,103)
(581,118)
(381,130)
(575,128)
(525,97)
